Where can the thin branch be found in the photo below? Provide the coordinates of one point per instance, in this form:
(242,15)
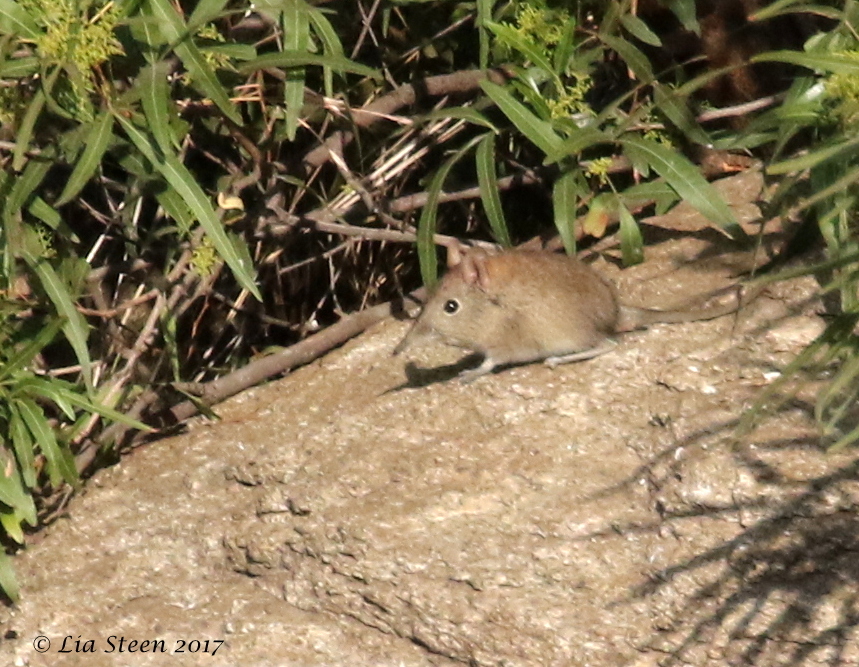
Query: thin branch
(405,95)
(740,109)
(303,352)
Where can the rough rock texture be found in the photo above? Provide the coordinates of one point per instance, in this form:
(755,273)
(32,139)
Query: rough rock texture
(365,513)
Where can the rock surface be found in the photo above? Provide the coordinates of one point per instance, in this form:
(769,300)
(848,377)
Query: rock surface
(602,513)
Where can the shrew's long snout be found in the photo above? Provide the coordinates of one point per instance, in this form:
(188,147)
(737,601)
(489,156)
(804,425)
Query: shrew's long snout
(418,332)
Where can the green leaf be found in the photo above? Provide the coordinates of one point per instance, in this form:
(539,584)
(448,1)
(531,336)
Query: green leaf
(487,178)
(469,114)
(13,493)
(296,38)
(24,186)
(631,55)
(631,242)
(25,131)
(330,44)
(235,51)
(202,75)
(26,355)
(18,68)
(686,13)
(427,227)
(96,144)
(837,63)
(642,193)
(484,14)
(61,464)
(155,99)
(846,440)
(581,139)
(676,109)
(50,216)
(773,9)
(180,179)
(538,131)
(75,327)
(514,39)
(22,443)
(299,59)
(65,395)
(144,29)
(565,195)
(204,12)
(638,28)
(813,158)
(8,582)
(12,526)
(14,20)
(687,181)
(427,223)
(566,47)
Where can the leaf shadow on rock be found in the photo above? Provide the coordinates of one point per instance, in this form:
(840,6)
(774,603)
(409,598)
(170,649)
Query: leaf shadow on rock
(785,589)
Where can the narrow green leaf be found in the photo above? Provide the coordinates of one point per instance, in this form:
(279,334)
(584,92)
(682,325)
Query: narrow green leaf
(538,131)
(11,525)
(773,9)
(659,192)
(292,59)
(204,12)
(841,386)
(33,176)
(565,195)
(25,356)
(676,109)
(61,464)
(201,73)
(638,28)
(837,63)
(427,223)
(813,158)
(145,30)
(180,179)
(845,441)
(97,142)
(8,582)
(469,114)
(50,216)
(14,20)
(331,45)
(25,130)
(631,242)
(581,139)
(235,51)
(686,13)
(168,198)
(22,443)
(177,209)
(18,68)
(12,491)
(484,14)
(514,39)
(631,55)
(296,38)
(487,178)
(566,47)
(66,395)
(75,327)
(427,227)
(155,99)
(685,178)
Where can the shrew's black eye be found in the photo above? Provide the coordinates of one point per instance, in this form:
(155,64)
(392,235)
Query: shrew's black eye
(451,306)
